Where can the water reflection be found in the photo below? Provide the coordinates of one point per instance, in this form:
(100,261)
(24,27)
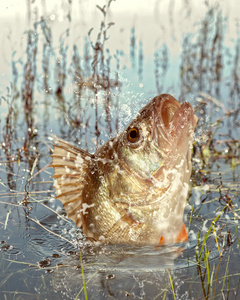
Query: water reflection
(104,284)
(85,85)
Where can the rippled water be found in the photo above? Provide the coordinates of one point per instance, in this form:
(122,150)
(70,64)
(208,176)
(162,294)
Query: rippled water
(50,87)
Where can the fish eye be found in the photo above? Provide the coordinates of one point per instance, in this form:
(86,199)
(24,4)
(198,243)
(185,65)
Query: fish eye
(133,135)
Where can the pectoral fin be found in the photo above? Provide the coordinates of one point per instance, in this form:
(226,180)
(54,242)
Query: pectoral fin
(182,236)
(70,165)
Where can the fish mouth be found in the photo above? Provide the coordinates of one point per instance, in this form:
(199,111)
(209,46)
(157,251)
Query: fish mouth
(173,128)
(165,107)
(173,122)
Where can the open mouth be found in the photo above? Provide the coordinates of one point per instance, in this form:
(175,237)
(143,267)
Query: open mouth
(173,121)
(167,109)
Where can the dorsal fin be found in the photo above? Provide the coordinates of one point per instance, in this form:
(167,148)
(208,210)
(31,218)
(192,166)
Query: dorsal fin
(70,165)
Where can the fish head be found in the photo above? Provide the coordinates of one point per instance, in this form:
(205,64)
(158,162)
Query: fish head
(149,174)
(159,138)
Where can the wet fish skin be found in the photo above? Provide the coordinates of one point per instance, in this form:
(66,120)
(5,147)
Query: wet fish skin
(134,188)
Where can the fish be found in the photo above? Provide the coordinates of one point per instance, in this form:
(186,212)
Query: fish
(134,188)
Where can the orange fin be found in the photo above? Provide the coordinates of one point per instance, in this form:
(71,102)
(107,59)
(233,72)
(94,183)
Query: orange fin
(70,165)
(161,241)
(182,236)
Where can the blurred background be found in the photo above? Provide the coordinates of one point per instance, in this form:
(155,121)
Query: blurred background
(81,70)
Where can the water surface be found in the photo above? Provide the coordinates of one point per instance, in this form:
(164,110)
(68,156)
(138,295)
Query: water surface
(84,85)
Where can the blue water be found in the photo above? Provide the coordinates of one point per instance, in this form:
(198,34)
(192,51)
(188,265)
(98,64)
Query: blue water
(40,248)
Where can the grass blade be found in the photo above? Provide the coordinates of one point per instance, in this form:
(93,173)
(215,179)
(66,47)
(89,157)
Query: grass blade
(83,278)
(170,278)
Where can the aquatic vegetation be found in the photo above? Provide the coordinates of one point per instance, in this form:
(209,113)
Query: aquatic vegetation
(78,84)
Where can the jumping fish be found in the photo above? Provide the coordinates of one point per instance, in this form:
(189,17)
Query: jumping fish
(133,189)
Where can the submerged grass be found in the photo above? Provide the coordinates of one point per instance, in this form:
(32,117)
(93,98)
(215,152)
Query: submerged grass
(163,292)
(208,233)
(207,264)
(50,231)
(83,279)
(235,224)
(83,118)
(171,282)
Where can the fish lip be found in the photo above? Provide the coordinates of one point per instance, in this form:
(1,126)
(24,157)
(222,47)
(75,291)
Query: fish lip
(164,108)
(173,127)
(168,116)
(182,123)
